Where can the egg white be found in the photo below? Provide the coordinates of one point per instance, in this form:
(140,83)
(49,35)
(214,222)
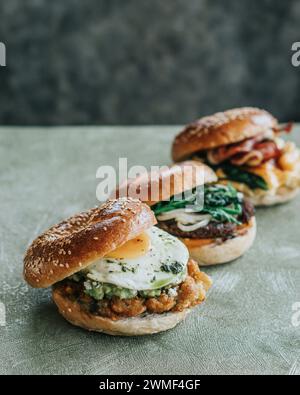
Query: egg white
(144,272)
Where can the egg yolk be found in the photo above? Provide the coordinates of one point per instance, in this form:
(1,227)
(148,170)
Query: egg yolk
(134,248)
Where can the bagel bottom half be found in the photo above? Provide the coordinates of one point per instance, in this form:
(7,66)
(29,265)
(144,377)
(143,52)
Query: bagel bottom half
(283,195)
(216,252)
(260,198)
(136,326)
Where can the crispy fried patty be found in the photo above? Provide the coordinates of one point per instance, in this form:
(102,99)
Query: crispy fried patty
(214,230)
(191,292)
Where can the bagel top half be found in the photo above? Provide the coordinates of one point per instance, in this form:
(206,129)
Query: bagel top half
(220,129)
(75,243)
(168,181)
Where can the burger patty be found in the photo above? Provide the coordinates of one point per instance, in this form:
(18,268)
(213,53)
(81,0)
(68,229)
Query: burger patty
(247,213)
(214,230)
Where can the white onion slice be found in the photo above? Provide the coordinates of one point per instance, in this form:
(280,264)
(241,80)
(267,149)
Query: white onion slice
(192,228)
(190,219)
(183,217)
(211,158)
(186,220)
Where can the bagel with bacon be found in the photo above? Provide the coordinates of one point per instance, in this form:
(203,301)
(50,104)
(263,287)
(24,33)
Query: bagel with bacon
(113,271)
(214,221)
(244,147)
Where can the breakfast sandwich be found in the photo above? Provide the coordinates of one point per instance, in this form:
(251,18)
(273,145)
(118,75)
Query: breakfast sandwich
(213,220)
(245,148)
(113,271)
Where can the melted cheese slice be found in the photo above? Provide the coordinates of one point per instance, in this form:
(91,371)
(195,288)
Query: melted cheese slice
(288,171)
(273,176)
(196,243)
(290,159)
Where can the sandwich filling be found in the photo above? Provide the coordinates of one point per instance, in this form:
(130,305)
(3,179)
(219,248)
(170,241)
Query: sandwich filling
(223,214)
(150,274)
(265,164)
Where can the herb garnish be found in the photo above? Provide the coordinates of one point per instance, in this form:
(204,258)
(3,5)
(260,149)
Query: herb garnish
(126,269)
(173,267)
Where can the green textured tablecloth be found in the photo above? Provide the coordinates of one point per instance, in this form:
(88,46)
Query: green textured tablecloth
(244,327)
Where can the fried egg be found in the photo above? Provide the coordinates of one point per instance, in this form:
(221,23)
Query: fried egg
(159,260)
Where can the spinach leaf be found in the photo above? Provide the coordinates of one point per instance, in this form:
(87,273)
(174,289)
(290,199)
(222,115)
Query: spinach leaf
(173,204)
(235,173)
(223,203)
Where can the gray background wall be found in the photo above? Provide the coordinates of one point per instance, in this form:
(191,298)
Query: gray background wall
(146,61)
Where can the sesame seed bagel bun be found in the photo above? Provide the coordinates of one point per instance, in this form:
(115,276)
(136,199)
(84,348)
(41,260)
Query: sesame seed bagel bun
(222,128)
(218,252)
(75,243)
(168,182)
(135,326)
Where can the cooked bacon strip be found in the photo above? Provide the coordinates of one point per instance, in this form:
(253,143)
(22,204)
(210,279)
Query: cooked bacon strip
(262,152)
(253,159)
(269,150)
(251,152)
(226,152)
(286,128)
